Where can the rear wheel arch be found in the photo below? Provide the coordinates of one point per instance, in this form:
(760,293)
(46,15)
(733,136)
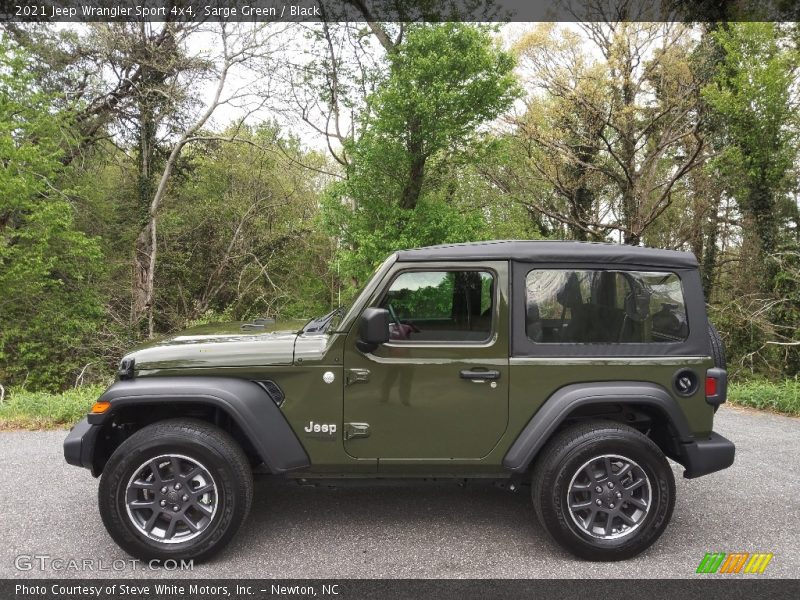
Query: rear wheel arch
(645,406)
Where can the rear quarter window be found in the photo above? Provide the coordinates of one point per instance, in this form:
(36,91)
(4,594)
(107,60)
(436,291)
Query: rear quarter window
(595,306)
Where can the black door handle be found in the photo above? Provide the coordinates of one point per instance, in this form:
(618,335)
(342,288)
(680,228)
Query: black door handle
(478,376)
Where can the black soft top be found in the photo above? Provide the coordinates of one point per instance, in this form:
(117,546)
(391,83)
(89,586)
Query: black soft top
(552,251)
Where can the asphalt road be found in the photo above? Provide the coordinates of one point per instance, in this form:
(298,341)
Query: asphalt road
(422,530)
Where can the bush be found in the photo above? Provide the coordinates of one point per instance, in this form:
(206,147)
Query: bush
(782,396)
(22,409)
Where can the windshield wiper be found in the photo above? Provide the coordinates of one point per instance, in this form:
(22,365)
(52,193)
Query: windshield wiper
(320,324)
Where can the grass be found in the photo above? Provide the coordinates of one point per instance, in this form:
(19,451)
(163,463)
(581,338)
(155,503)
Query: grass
(40,410)
(782,397)
(22,409)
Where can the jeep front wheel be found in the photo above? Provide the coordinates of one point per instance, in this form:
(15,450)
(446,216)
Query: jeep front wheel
(177,489)
(603,491)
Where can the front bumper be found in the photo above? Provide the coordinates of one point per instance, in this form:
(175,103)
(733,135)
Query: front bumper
(702,457)
(80,443)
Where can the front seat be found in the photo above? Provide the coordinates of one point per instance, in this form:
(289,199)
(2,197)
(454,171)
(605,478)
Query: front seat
(570,298)
(533,322)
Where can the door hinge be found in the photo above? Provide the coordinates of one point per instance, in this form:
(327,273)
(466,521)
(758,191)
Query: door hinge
(357,376)
(356,430)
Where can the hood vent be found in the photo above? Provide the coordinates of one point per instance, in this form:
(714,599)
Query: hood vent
(257,324)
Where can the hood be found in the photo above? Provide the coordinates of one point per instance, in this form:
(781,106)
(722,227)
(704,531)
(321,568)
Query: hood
(220,345)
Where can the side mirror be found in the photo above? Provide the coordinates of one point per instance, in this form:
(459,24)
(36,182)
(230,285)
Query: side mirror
(373,329)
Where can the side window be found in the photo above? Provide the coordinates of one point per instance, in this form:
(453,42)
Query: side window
(604,307)
(441,306)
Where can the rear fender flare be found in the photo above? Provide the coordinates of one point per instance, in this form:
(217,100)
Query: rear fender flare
(565,400)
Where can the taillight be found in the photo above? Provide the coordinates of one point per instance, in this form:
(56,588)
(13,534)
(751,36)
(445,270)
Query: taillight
(711,387)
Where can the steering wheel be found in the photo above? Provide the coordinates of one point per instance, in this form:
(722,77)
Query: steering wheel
(404,330)
(393,314)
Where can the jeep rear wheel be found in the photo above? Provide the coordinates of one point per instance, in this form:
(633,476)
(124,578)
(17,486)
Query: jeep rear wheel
(176,489)
(603,491)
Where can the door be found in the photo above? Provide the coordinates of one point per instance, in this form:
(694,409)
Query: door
(439,388)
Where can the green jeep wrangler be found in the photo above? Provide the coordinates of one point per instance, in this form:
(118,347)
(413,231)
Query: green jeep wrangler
(575,367)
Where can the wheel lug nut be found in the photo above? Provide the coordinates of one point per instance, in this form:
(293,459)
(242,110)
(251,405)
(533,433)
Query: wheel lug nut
(185,498)
(164,490)
(175,508)
(611,485)
(598,489)
(163,503)
(177,486)
(599,502)
(611,505)
(619,495)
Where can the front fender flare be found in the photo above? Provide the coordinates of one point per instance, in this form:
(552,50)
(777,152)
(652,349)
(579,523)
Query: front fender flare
(565,400)
(247,403)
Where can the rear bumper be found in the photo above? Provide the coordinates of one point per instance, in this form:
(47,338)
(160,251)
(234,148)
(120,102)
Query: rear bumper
(702,457)
(80,443)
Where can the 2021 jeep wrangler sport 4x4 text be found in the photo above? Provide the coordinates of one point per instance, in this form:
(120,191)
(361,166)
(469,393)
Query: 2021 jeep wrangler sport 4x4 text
(577,367)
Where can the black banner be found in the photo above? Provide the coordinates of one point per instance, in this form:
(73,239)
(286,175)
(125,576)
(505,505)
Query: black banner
(397,10)
(411,589)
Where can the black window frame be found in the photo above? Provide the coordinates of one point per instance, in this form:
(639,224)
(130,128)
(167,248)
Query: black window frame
(489,339)
(696,343)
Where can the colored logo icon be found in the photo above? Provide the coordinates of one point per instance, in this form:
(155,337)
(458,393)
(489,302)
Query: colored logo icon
(737,562)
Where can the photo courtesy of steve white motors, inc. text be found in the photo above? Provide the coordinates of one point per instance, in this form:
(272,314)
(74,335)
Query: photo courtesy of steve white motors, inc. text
(193,590)
(138,11)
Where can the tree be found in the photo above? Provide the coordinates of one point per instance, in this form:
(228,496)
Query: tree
(443,82)
(238,229)
(613,136)
(753,95)
(238,45)
(48,310)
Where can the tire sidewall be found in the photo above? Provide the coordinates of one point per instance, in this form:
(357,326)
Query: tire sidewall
(112,498)
(554,503)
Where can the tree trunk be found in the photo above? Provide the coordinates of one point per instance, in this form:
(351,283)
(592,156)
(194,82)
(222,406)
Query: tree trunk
(144,253)
(630,201)
(413,187)
(710,249)
(416,172)
(141,292)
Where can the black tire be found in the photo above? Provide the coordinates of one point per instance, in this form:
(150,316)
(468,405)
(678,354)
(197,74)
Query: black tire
(717,347)
(220,459)
(559,465)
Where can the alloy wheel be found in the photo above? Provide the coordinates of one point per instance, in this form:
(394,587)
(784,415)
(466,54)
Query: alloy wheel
(171,498)
(609,496)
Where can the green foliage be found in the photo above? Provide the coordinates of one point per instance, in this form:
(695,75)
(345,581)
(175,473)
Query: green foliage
(48,309)
(443,82)
(22,409)
(782,396)
(238,236)
(265,227)
(751,92)
(374,228)
(753,100)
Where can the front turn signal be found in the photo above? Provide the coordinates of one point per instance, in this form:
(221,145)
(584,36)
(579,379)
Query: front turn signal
(100,407)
